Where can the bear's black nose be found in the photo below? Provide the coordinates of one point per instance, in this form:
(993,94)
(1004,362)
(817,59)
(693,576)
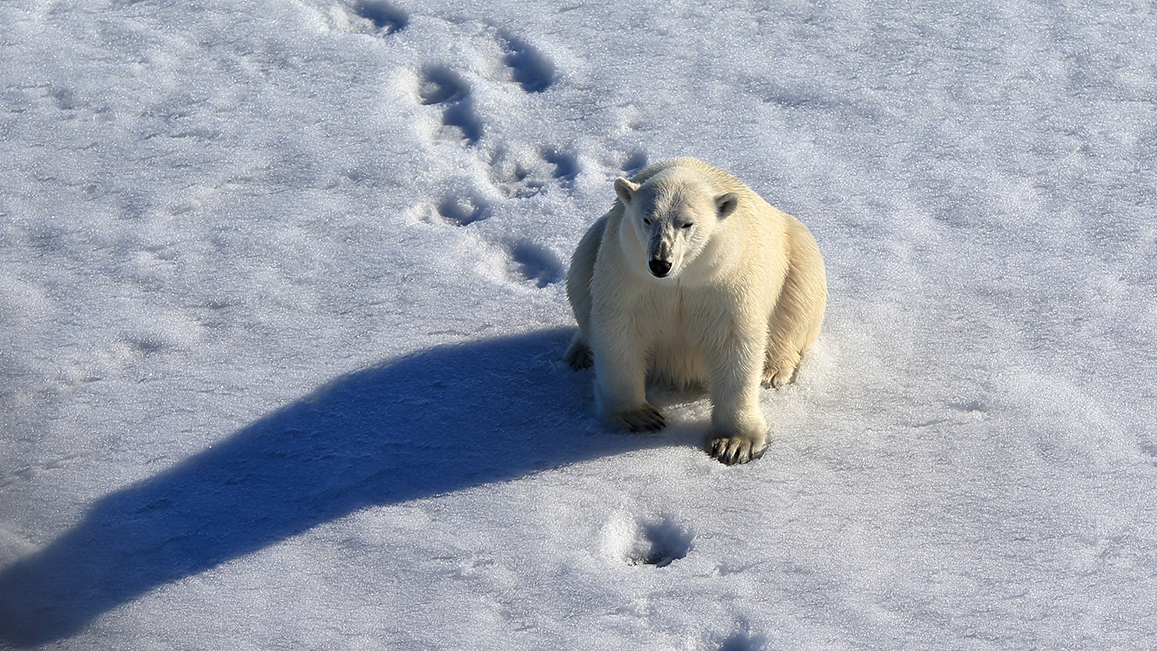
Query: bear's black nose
(660,268)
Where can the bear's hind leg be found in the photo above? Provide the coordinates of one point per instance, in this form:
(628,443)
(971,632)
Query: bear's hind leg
(795,322)
(578,355)
(781,370)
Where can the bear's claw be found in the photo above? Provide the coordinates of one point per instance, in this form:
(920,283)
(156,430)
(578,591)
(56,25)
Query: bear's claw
(644,418)
(735,449)
(775,377)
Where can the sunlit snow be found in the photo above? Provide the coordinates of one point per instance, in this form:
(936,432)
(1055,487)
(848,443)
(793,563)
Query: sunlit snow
(281,309)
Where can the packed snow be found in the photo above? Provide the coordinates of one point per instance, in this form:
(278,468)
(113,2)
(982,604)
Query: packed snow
(282,310)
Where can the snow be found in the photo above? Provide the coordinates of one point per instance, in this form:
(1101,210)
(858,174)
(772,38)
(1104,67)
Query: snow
(280,286)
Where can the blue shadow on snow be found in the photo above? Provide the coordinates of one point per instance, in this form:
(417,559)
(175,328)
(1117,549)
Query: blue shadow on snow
(431,423)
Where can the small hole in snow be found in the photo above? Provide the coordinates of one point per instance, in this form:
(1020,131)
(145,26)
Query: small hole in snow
(659,544)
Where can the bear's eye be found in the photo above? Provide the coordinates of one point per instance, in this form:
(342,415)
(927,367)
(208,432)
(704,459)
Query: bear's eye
(647,221)
(686,226)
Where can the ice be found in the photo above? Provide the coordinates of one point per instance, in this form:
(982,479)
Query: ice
(282,306)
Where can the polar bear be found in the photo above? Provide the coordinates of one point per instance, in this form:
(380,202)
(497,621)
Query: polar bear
(693,280)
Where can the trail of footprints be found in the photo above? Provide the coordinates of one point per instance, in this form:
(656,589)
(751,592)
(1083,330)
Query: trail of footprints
(446,93)
(518,179)
(513,176)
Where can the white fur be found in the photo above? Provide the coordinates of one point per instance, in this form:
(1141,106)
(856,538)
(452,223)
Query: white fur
(742,298)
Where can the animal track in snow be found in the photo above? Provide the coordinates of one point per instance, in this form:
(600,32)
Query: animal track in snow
(660,544)
(372,17)
(529,68)
(633,162)
(385,19)
(528,175)
(439,86)
(647,542)
(537,264)
(443,88)
(459,118)
(28,472)
(518,182)
(744,641)
(461,210)
(455,93)
(565,163)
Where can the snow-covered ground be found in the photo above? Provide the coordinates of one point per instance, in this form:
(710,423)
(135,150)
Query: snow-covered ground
(281,310)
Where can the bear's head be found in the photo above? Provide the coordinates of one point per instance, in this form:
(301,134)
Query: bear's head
(674,215)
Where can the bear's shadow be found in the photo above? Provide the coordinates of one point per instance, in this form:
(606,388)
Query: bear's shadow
(430,423)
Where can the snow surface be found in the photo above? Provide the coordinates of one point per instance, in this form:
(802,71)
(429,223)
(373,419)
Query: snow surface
(281,307)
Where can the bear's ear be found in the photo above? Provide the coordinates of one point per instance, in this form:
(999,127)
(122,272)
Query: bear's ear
(726,204)
(625,189)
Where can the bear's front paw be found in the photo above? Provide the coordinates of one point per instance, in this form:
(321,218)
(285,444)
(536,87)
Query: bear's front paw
(644,418)
(736,449)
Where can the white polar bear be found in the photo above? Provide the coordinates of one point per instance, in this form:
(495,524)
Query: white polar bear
(693,280)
